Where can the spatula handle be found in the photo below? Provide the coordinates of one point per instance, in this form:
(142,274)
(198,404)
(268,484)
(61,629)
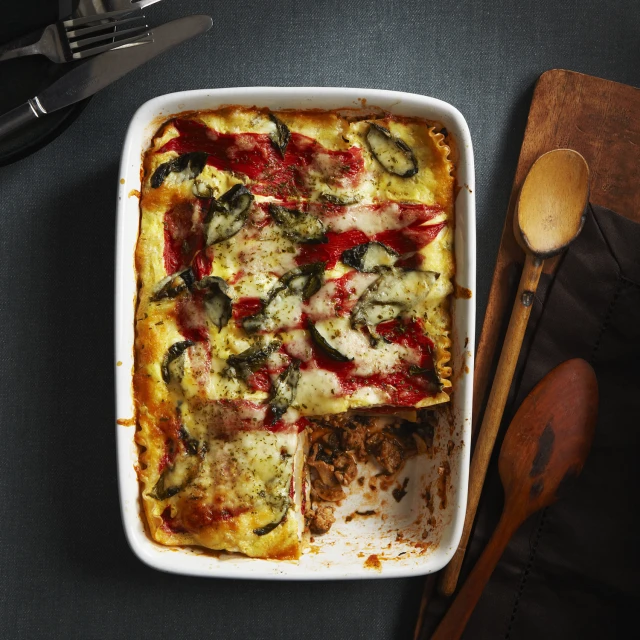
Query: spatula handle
(493,413)
(455,620)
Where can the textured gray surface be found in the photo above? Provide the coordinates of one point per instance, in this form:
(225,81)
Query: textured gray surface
(65,568)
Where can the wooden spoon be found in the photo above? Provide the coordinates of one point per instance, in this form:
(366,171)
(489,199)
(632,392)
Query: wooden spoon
(547,443)
(550,214)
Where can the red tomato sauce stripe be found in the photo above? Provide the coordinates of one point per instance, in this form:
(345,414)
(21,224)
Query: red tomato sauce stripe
(191,318)
(403,388)
(245,307)
(202,264)
(410,239)
(410,236)
(170,524)
(254,155)
(330,252)
(260,380)
(184,238)
(344,299)
(280,426)
(196,515)
(170,428)
(403,241)
(409,332)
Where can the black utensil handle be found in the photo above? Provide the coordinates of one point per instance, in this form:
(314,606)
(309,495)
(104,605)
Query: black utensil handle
(16,118)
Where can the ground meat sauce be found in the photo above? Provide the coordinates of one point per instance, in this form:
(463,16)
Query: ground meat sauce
(339,442)
(321,518)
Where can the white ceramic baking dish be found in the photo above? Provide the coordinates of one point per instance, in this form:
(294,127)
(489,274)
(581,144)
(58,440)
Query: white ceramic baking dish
(415,536)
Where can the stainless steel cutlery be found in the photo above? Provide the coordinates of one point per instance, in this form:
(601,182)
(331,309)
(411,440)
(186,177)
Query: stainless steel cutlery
(79,38)
(99,71)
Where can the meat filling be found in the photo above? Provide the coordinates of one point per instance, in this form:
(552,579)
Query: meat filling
(345,468)
(339,442)
(387,451)
(320,519)
(353,439)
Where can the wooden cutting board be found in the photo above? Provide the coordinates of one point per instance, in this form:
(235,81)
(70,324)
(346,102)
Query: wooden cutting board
(601,120)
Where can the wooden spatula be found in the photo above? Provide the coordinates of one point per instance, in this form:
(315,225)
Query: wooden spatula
(546,444)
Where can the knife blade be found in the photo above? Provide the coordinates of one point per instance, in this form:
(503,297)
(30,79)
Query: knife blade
(101,70)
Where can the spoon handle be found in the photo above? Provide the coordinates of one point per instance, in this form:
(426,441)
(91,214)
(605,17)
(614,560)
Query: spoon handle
(455,620)
(493,413)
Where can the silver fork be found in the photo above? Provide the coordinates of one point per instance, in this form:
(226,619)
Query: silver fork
(79,38)
(91,7)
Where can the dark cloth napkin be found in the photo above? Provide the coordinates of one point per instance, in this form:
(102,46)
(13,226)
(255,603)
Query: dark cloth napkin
(573,571)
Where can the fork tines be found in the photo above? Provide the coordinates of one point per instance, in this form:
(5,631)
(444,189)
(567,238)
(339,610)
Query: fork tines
(108,31)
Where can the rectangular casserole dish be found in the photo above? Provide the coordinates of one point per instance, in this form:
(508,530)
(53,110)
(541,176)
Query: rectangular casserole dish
(415,536)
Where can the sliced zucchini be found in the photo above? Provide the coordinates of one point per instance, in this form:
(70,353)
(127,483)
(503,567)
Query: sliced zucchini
(369,256)
(178,476)
(190,165)
(394,154)
(320,340)
(280,137)
(300,226)
(228,214)
(191,444)
(302,281)
(173,353)
(174,285)
(284,391)
(395,292)
(262,531)
(244,364)
(331,199)
(430,374)
(217,303)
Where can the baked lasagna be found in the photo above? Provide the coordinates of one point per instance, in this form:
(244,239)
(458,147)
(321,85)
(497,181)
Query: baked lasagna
(294,275)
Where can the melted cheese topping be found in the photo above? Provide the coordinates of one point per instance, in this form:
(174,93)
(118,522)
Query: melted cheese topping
(215,468)
(378,218)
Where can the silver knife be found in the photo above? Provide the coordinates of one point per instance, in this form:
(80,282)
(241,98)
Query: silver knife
(101,70)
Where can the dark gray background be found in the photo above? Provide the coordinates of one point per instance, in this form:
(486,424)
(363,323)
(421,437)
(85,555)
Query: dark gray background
(65,568)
